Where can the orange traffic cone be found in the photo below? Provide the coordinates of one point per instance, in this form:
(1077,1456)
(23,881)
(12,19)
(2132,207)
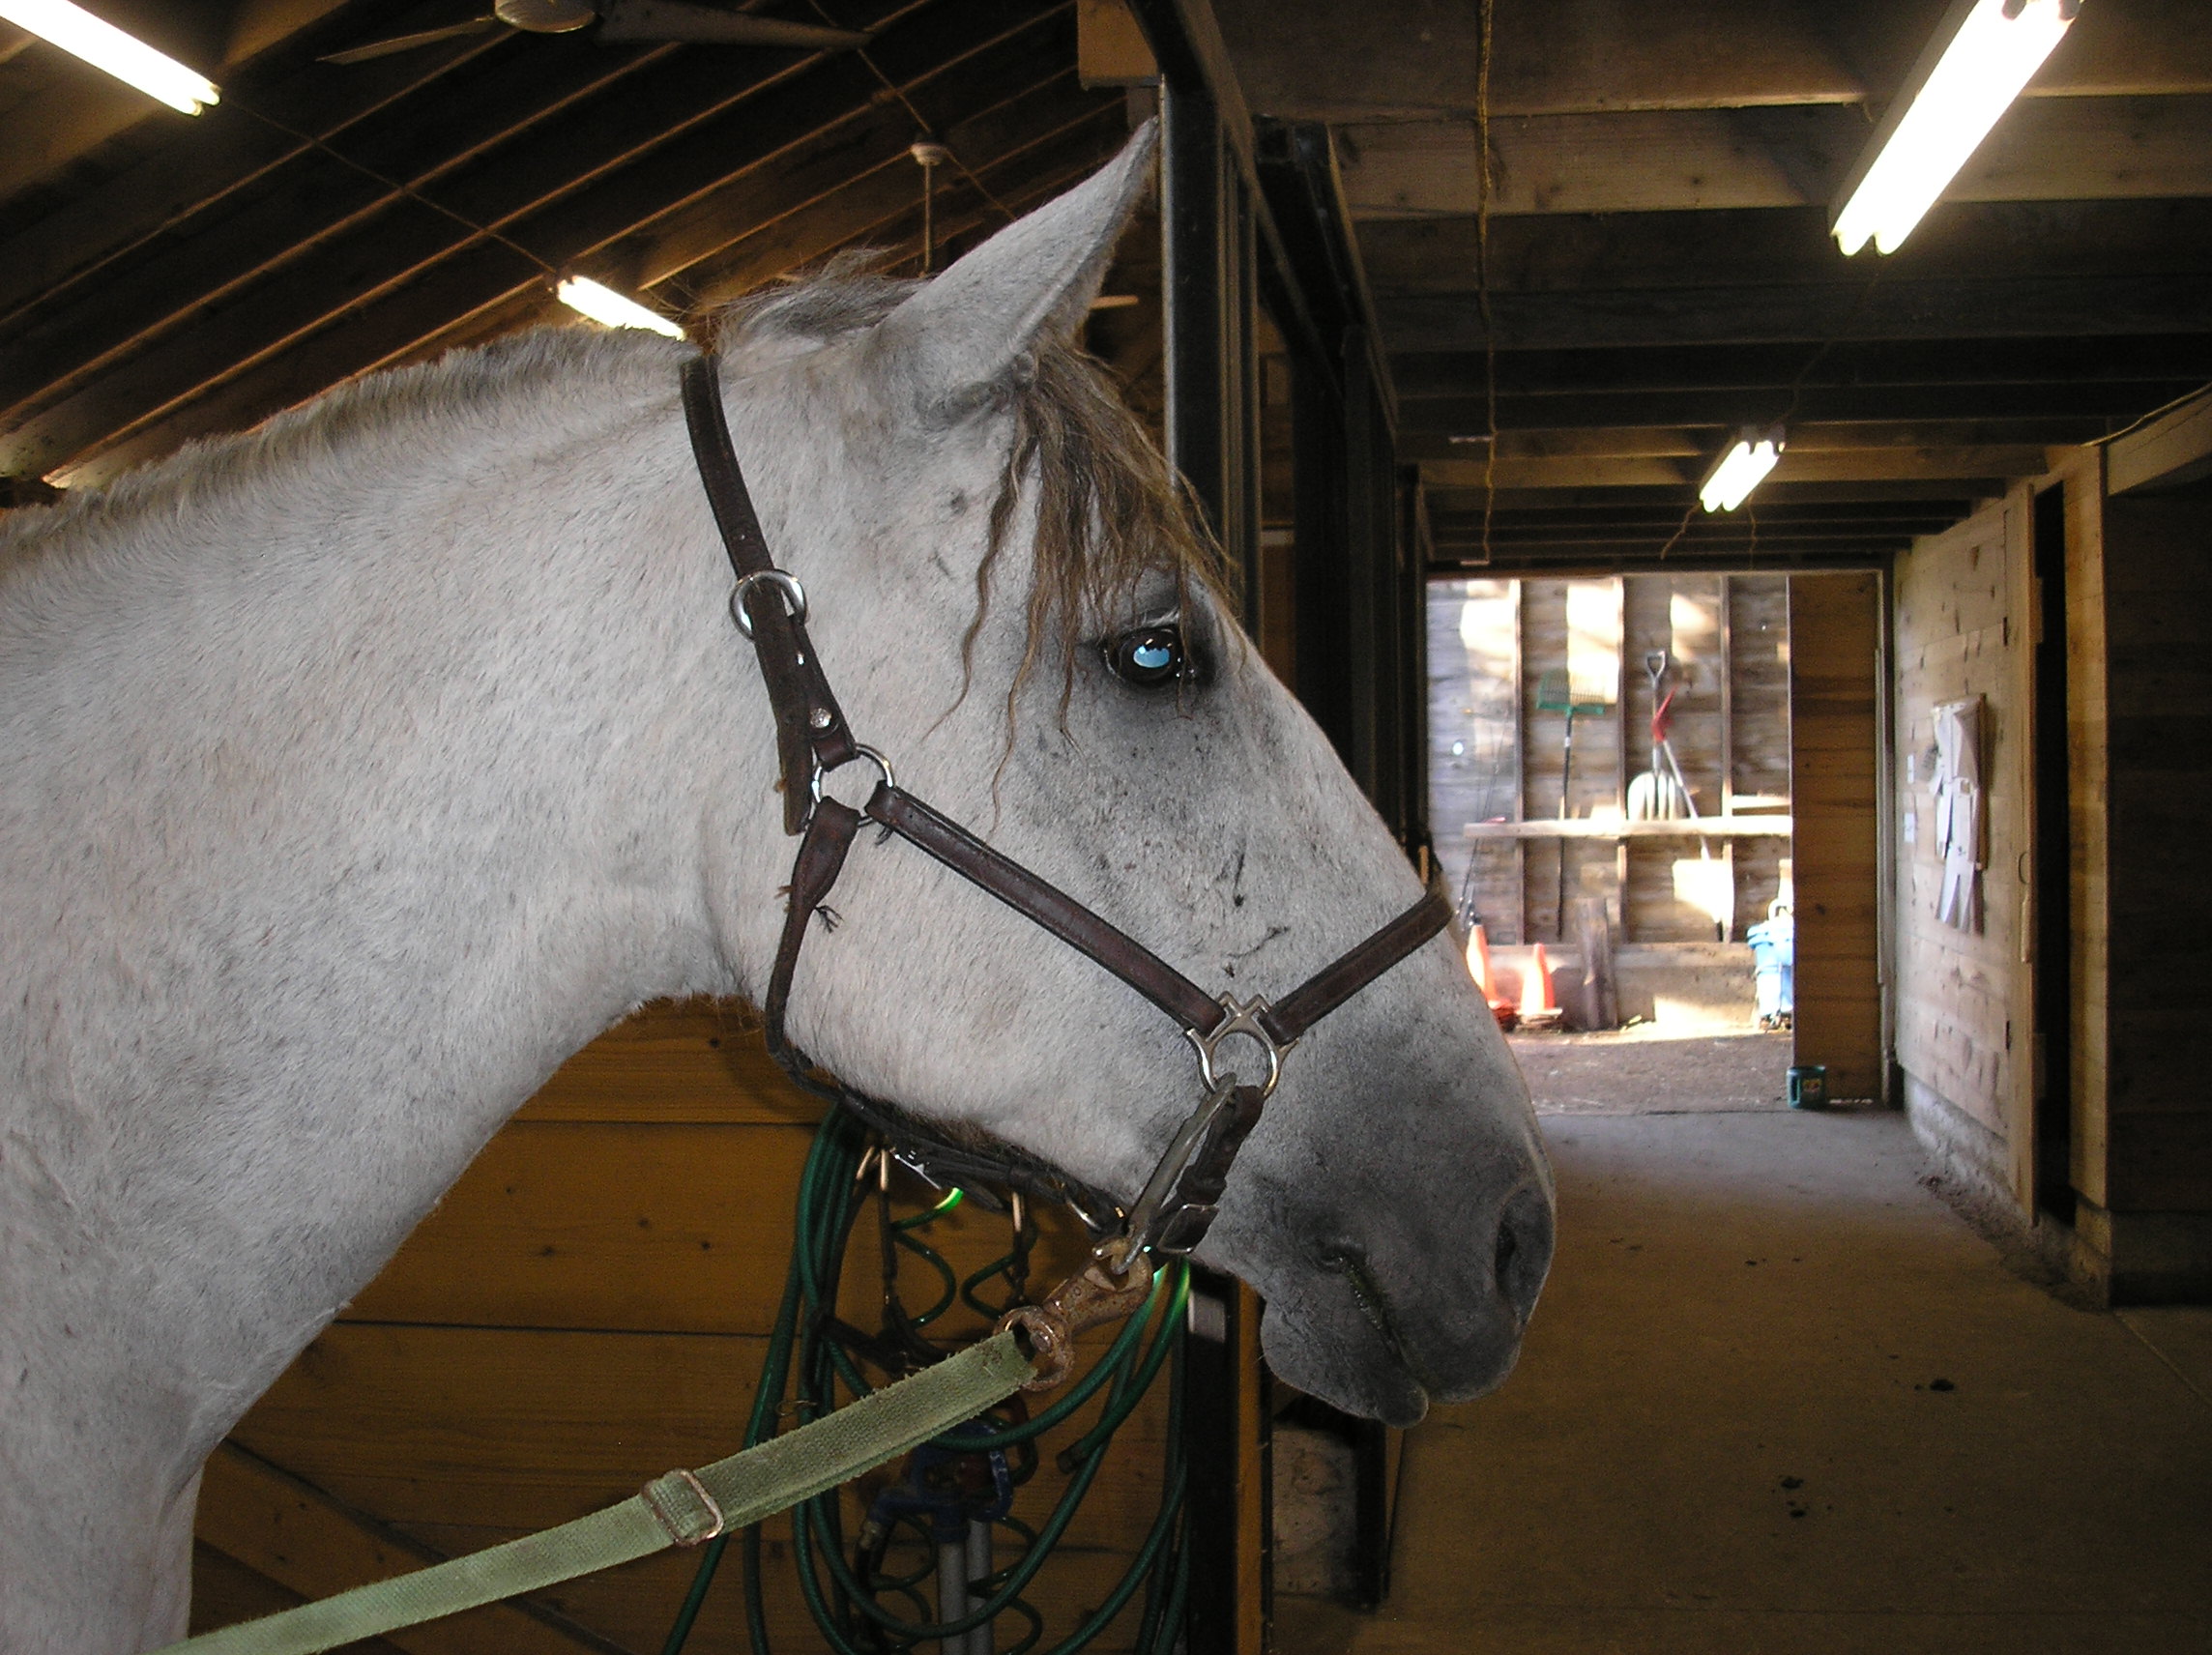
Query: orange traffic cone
(1479,961)
(1478,968)
(1539,1006)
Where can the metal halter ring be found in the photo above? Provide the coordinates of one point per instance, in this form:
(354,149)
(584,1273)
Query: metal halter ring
(785,582)
(1243,1018)
(873,757)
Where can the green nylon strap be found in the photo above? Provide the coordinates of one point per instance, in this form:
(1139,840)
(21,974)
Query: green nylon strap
(746,1487)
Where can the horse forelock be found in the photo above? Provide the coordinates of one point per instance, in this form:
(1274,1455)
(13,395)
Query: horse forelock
(1107,513)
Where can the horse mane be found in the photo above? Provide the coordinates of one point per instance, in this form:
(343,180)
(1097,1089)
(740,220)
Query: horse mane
(1108,513)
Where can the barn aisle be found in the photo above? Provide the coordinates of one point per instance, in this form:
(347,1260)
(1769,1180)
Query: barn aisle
(1779,1397)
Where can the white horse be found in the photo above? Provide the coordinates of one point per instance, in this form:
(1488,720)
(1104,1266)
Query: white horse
(356,771)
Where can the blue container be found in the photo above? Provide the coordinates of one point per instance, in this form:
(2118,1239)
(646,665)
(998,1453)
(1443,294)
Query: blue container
(1773,964)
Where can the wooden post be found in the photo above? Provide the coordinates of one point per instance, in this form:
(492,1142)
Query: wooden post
(1835,702)
(1593,934)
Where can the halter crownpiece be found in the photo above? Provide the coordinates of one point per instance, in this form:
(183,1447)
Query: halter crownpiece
(1183,1194)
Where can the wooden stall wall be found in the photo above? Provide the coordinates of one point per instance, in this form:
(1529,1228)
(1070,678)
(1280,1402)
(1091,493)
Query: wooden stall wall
(1962,1003)
(2143,1160)
(1835,701)
(585,1310)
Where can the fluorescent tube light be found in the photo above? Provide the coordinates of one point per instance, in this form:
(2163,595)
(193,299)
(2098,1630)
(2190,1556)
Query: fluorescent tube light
(1739,471)
(106,47)
(1984,54)
(604,305)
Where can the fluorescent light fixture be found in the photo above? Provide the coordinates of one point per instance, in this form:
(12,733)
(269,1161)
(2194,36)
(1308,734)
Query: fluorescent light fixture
(1986,52)
(106,47)
(604,305)
(1739,471)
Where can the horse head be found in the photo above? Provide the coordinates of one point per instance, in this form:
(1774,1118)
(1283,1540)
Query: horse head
(1012,605)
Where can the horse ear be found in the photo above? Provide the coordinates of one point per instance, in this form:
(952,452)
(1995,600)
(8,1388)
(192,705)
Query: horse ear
(969,329)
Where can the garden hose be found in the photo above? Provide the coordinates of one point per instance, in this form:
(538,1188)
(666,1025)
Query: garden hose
(844,1584)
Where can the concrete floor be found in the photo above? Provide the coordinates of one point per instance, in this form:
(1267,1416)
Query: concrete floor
(1779,1397)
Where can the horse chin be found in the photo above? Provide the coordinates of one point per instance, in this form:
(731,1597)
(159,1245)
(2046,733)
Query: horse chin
(1343,1346)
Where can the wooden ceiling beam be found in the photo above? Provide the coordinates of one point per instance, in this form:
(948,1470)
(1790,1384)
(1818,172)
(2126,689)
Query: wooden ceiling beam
(310,201)
(2052,149)
(533,198)
(1673,496)
(2092,403)
(1998,306)
(1322,61)
(230,150)
(479,289)
(883,209)
(1007,71)
(1862,364)
(1638,252)
(1862,466)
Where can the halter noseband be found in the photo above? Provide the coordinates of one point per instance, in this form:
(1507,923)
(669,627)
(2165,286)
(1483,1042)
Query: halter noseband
(1178,1202)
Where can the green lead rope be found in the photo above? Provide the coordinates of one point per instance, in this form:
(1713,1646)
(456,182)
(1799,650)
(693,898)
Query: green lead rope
(743,1489)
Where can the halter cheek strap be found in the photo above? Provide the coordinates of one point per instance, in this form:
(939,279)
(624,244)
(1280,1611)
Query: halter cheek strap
(1180,1199)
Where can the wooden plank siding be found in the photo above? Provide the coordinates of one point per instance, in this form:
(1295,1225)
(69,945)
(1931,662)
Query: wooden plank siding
(2158,632)
(586,1309)
(1835,657)
(1965,623)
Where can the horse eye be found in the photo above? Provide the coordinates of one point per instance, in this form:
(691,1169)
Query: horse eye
(1148,656)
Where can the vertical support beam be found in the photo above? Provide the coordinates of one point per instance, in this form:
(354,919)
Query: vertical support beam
(1213,440)
(1836,696)
(1226,1529)
(1212,370)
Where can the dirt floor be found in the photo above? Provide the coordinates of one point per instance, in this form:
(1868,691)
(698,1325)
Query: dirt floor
(1640,1071)
(1779,1399)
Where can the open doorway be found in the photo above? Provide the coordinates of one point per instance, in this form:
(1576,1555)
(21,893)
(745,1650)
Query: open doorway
(1610,778)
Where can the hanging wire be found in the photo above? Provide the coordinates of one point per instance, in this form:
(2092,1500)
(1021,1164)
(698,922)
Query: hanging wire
(921,123)
(1482,190)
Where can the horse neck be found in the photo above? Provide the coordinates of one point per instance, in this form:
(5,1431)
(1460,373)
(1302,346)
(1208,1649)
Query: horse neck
(336,854)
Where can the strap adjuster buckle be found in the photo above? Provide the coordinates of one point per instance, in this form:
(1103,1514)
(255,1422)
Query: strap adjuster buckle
(681,1505)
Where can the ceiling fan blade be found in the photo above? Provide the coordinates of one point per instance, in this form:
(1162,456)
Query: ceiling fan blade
(705,26)
(408,42)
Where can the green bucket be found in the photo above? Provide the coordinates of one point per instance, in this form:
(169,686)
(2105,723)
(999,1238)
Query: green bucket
(1809,1085)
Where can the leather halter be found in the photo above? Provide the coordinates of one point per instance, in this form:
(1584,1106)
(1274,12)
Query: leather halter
(812,739)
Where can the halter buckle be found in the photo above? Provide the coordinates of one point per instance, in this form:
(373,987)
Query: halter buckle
(1242,1017)
(783,580)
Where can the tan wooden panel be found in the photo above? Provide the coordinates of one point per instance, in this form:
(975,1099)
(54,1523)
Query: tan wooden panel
(1835,645)
(509,1428)
(644,1227)
(634,1605)
(675,1060)
(296,1536)
(2087,752)
(226,1592)
(2161,1162)
(605,1225)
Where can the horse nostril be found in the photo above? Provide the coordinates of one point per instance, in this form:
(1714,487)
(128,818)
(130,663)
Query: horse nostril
(1524,1253)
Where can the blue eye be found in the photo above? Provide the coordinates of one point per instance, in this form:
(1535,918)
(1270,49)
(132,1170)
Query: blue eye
(1148,656)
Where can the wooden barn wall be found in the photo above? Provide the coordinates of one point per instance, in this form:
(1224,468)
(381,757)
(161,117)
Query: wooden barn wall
(1494,757)
(2143,1144)
(1835,699)
(1474,743)
(585,1310)
(1963,1017)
